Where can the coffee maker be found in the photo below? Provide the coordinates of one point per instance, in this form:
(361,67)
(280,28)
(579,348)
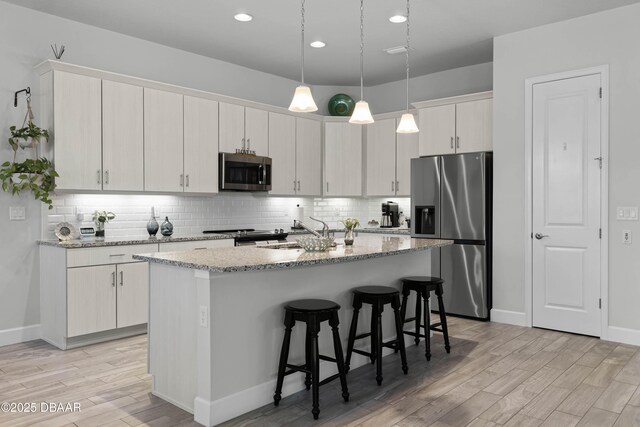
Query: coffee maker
(390,216)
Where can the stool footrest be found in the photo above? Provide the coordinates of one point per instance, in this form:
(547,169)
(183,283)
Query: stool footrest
(296,368)
(327,358)
(410,319)
(414,334)
(328,379)
(391,344)
(366,335)
(364,353)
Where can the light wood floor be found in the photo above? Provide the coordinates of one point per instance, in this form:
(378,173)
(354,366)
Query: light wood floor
(495,375)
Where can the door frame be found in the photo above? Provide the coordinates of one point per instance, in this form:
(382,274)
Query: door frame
(603,70)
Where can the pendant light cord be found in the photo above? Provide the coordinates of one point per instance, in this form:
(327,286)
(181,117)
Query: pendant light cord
(302,43)
(407,56)
(361,50)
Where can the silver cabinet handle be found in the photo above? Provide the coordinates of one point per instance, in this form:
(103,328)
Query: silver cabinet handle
(452,143)
(393,186)
(113,279)
(117,254)
(248,143)
(98,175)
(457,142)
(106,174)
(294,185)
(243,144)
(540,236)
(327,186)
(298,185)
(181,180)
(397,185)
(187,180)
(122,278)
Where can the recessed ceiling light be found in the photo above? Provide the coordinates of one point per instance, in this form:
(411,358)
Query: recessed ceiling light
(398,19)
(318,44)
(243,17)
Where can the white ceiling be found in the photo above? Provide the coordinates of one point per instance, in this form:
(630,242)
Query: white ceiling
(445,33)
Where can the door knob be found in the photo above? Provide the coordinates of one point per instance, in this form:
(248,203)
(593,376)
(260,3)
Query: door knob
(540,236)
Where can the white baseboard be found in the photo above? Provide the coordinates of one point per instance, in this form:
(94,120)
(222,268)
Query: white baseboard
(18,335)
(510,317)
(623,335)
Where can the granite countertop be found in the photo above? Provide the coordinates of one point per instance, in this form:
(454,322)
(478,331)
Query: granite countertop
(94,242)
(252,258)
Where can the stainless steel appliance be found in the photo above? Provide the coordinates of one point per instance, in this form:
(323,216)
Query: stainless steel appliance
(390,216)
(244,172)
(451,198)
(250,236)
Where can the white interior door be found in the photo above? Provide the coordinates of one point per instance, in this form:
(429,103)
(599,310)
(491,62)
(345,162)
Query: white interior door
(566,204)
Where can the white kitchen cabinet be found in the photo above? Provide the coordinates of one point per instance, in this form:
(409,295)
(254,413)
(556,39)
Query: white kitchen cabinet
(163,141)
(282,150)
(342,159)
(242,127)
(474,126)
(308,157)
(437,130)
(200,145)
(381,158)
(77,131)
(91,299)
(406,149)
(122,137)
(462,124)
(132,294)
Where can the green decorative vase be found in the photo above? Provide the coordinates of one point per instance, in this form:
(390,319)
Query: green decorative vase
(341,105)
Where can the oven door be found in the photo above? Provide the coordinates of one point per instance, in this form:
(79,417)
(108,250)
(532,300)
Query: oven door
(240,172)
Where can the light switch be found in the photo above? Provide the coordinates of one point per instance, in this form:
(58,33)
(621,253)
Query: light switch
(17,213)
(626,237)
(627,213)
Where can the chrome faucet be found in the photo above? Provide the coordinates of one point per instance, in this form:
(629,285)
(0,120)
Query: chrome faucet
(325,227)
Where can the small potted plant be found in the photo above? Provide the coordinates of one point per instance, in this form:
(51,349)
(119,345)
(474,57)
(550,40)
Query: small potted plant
(28,136)
(35,175)
(100,218)
(350,224)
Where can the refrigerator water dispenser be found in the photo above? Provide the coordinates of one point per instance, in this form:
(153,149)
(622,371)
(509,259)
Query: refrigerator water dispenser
(425,217)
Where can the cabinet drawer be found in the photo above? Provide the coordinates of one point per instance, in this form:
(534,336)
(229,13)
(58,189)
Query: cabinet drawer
(106,255)
(199,244)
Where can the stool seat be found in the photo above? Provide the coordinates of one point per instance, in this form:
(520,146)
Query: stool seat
(375,290)
(422,280)
(310,305)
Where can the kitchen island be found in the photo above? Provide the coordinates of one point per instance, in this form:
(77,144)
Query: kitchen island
(216,317)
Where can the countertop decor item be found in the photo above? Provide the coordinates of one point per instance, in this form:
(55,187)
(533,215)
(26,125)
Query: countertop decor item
(152,225)
(315,244)
(302,101)
(350,225)
(341,105)
(166,229)
(100,218)
(65,231)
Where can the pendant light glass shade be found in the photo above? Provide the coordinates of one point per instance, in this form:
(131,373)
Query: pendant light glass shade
(361,114)
(407,124)
(302,101)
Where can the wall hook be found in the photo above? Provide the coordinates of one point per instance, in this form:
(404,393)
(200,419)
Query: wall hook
(57,52)
(15,96)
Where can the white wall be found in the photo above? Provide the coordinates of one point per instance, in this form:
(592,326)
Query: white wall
(611,37)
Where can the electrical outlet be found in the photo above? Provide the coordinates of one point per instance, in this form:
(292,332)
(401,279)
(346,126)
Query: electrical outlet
(626,237)
(204,316)
(17,213)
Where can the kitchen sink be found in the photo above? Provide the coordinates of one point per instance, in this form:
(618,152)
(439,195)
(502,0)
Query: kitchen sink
(281,246)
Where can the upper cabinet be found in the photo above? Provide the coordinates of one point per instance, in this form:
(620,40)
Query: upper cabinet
(77,130)
(243,128)
(406,149)
(456,125)
(308,157)
(163,140)
(200,145)
(342,159)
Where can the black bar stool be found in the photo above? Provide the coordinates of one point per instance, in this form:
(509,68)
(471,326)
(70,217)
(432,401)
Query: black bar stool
(423,285)
(313,312)
(377,296)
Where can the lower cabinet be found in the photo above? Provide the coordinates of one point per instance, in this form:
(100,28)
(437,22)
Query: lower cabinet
(104,297)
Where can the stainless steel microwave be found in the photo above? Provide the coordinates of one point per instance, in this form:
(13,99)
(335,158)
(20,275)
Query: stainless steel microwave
(244,172)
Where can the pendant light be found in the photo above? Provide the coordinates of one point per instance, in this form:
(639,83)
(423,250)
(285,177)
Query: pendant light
(407,121)
(361,114)
(302,101)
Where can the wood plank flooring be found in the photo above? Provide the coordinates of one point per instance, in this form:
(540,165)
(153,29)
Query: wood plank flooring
(495,375)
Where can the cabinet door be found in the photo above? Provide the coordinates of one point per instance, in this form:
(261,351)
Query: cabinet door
(163,141)
(91,299)
(231,127)
(77,131)
(381,158)
(133,294)
(437,130)
(406,149)
(256,130)
(474,126)
(282,150)
(200,145)
(308,157)
(122,137)
(343,159)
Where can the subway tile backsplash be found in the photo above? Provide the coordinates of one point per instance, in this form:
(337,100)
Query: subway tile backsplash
(193,214)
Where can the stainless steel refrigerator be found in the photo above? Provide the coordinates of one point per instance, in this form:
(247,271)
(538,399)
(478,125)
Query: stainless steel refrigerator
(451,199)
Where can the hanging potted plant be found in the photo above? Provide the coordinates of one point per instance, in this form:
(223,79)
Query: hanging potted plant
(37,174)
